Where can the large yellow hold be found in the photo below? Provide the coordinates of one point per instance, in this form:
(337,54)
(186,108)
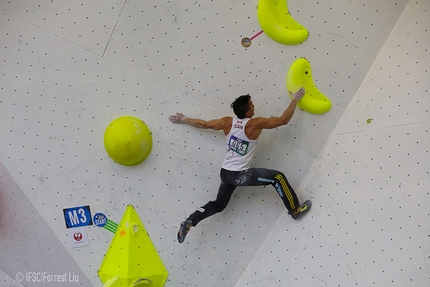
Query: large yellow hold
(132,260)
(128,140)
(277,22)
(300,75)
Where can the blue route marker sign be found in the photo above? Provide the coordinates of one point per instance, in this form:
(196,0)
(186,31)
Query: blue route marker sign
(77,216)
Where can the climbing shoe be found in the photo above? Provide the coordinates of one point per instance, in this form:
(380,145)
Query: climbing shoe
(183,230)
(303,209)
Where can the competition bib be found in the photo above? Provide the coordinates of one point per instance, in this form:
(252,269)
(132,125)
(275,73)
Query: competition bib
(238,145)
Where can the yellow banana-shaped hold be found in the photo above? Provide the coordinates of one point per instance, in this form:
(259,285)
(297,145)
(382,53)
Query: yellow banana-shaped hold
(300,75)
(277,23)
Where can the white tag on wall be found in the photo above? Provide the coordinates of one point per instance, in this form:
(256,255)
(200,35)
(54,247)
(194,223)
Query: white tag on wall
(78,237)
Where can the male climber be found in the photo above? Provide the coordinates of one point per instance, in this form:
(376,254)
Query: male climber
(242,133)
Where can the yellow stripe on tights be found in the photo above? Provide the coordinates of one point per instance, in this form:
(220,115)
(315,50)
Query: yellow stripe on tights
(287,191)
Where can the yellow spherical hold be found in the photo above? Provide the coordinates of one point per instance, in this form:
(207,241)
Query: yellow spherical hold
(128,140)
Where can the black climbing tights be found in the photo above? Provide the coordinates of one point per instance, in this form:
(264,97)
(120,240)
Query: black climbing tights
(250,177)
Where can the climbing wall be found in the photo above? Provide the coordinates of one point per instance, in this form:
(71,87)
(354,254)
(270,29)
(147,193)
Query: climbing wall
(370,185)
(69,68)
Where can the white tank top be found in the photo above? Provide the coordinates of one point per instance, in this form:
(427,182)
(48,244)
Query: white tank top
(240,149)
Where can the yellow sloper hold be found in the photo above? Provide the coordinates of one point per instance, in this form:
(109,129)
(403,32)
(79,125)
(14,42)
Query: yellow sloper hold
(277,22)
(128,140)
(132,259)
(300,75)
